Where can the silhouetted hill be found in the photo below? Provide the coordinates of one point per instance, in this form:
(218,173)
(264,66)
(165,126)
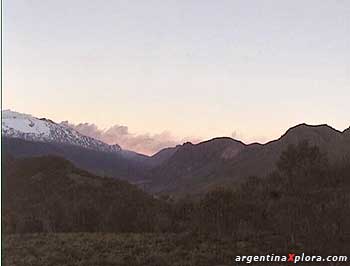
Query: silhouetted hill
(303,206)
(190,168)
(191,161)
(196,168)
(49,194)
(116,165)
(320,135)
(163,155)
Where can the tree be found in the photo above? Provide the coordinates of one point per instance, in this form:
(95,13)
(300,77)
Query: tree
(301,163)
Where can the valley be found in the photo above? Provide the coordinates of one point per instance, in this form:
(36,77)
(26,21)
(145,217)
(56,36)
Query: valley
(194,204)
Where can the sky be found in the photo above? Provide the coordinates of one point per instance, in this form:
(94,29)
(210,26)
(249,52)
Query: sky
(187,69)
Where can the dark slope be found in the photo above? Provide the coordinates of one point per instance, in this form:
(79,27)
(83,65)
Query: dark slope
(347,133)
(163,155)
(194,163)
(49,194)
(196,168)
(116,165)
(190,168)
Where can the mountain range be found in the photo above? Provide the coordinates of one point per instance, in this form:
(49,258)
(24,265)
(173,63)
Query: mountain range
(25,136)
(225,161)
(184,169)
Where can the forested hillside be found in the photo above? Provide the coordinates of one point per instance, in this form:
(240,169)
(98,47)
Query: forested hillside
(303,206)
(49,194)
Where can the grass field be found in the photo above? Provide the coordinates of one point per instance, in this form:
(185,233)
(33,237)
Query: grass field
(98,249)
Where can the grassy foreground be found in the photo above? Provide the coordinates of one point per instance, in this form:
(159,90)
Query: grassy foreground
(102,249)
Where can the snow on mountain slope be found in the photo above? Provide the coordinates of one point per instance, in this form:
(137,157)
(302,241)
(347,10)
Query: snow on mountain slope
(24,126)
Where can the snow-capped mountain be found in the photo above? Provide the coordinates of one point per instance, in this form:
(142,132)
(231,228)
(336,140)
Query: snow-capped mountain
(25,126)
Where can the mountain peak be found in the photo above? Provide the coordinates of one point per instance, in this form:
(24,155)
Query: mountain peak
(27,124)
(303,128)
(28,127)
(316,134)
(308,126)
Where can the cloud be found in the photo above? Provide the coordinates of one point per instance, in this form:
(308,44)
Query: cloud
(145,143)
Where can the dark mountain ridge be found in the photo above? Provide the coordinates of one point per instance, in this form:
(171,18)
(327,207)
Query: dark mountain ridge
(194,168)
(191,160)
(191,168)
(163,155)
(102,163)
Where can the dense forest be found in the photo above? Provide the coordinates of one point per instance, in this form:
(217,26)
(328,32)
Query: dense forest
(303,206)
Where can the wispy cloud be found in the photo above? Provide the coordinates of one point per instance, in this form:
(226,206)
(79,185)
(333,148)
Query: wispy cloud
(145,143)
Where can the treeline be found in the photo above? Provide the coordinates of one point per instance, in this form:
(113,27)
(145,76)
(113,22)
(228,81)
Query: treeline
(304,205)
